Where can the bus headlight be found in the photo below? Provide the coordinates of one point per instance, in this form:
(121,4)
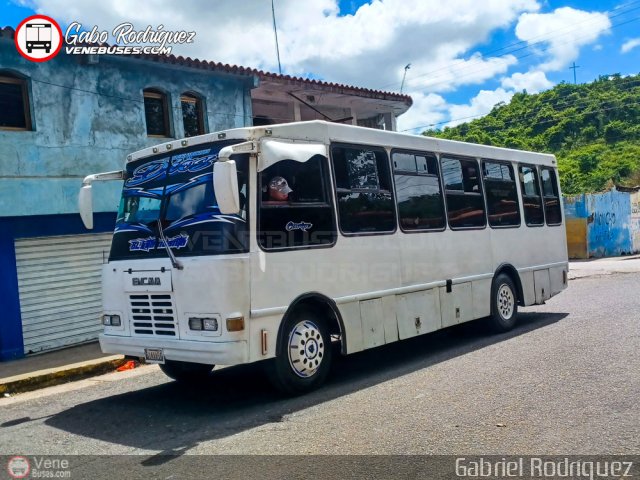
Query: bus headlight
(207,324)
(210,324)
(111,320)
(195,323)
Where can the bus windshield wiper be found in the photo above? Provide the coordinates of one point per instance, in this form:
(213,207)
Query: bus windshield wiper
(174,261)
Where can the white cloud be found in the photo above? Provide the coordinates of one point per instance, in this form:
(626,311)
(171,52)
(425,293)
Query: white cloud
(447,74)
(368,48)
(479,105)
(630,45)
(427,111)
(561,33)
(532,82)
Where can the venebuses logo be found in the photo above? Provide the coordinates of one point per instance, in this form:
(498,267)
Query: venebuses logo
(38,38)
(18,467)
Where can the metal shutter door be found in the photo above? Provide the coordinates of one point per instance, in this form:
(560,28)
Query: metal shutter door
(59,284)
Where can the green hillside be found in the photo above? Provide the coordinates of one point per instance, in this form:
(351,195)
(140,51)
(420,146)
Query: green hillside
(593,129)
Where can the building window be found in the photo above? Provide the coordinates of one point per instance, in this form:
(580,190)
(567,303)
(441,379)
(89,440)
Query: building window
(14,103)
(531,198)
(502,197)
(192,115)
(418,192)
(363,189)
(156,113)
(465,205)
(295,210)
(551,197)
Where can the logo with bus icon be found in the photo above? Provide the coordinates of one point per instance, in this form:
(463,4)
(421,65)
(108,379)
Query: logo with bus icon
(38,38)
(18,467)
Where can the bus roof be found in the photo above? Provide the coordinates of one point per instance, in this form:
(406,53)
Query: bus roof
(326,132)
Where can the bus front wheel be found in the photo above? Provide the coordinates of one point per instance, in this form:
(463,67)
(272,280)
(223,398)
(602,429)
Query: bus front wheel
(504,304)
(186,372)
(303,358)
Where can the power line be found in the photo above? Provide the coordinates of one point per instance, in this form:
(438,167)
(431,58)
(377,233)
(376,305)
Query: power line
(560,102)
(523,44)
(616,107)
(529,54)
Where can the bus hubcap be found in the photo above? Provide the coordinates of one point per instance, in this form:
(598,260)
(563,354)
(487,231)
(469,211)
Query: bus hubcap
(506,301)
(306,349)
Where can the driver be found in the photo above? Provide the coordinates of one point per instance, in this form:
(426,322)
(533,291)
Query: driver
(279,189)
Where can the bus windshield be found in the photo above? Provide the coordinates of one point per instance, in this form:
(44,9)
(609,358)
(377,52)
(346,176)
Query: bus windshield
(177,189)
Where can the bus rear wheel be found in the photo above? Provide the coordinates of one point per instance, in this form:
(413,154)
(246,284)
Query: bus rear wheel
(304,354)
(504,304)
(186,372)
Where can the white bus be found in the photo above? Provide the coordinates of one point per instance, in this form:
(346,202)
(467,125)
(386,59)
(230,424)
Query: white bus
(276,242)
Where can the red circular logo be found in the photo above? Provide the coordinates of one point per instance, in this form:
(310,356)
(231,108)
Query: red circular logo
(18,467)
(38,38)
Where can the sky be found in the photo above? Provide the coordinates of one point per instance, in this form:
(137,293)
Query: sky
(465,56)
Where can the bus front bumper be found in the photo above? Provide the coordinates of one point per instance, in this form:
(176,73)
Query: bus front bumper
(211,353)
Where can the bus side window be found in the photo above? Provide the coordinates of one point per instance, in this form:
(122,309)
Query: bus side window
(502,197)
(294,206)
(465,205)
(363,189)
(531,198)
(418,191)
(550,196)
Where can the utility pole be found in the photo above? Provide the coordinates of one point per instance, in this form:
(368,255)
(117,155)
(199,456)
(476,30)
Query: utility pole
(573,67)
(275,32)
(407,67)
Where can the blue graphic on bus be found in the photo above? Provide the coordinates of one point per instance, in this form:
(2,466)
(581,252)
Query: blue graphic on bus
(142,244)
(178,164)
(149,243)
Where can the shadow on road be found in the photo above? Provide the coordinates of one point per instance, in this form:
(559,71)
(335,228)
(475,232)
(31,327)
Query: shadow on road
(173,418)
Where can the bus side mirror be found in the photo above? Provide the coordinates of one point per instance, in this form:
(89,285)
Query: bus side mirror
(85,205)
(225,185)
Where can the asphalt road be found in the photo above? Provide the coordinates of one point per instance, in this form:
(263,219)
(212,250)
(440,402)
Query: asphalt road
(565,381)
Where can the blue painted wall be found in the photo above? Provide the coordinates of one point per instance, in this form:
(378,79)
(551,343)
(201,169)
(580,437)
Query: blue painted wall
(609,234)
(609,221)
(86,119)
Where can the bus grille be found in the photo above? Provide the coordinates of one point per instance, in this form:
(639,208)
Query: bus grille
(153,314)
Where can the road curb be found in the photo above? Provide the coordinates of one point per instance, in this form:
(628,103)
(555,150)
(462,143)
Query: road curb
(51,377)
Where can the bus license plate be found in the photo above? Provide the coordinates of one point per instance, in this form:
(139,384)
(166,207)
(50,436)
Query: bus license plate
(154,355)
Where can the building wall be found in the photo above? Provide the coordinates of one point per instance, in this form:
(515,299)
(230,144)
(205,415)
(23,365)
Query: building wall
(609,234)
(86,118)
(602,224)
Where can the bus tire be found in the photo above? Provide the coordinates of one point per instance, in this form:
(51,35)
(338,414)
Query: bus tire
(504,304)
(186,372)
(304,354)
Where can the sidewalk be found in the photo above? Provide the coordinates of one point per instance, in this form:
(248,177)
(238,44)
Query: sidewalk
(603,266)
(74,363)
(53,368)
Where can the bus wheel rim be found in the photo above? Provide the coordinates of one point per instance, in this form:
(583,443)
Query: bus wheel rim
(306,349)
(506,301)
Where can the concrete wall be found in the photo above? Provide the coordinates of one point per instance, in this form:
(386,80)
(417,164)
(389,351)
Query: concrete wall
(576,218)
(635,221)
(87,118)
(602,224)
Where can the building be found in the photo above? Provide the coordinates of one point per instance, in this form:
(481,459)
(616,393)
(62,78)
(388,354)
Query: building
(74,115)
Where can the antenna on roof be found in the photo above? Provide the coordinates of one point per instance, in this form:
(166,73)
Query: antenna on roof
(275,33)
